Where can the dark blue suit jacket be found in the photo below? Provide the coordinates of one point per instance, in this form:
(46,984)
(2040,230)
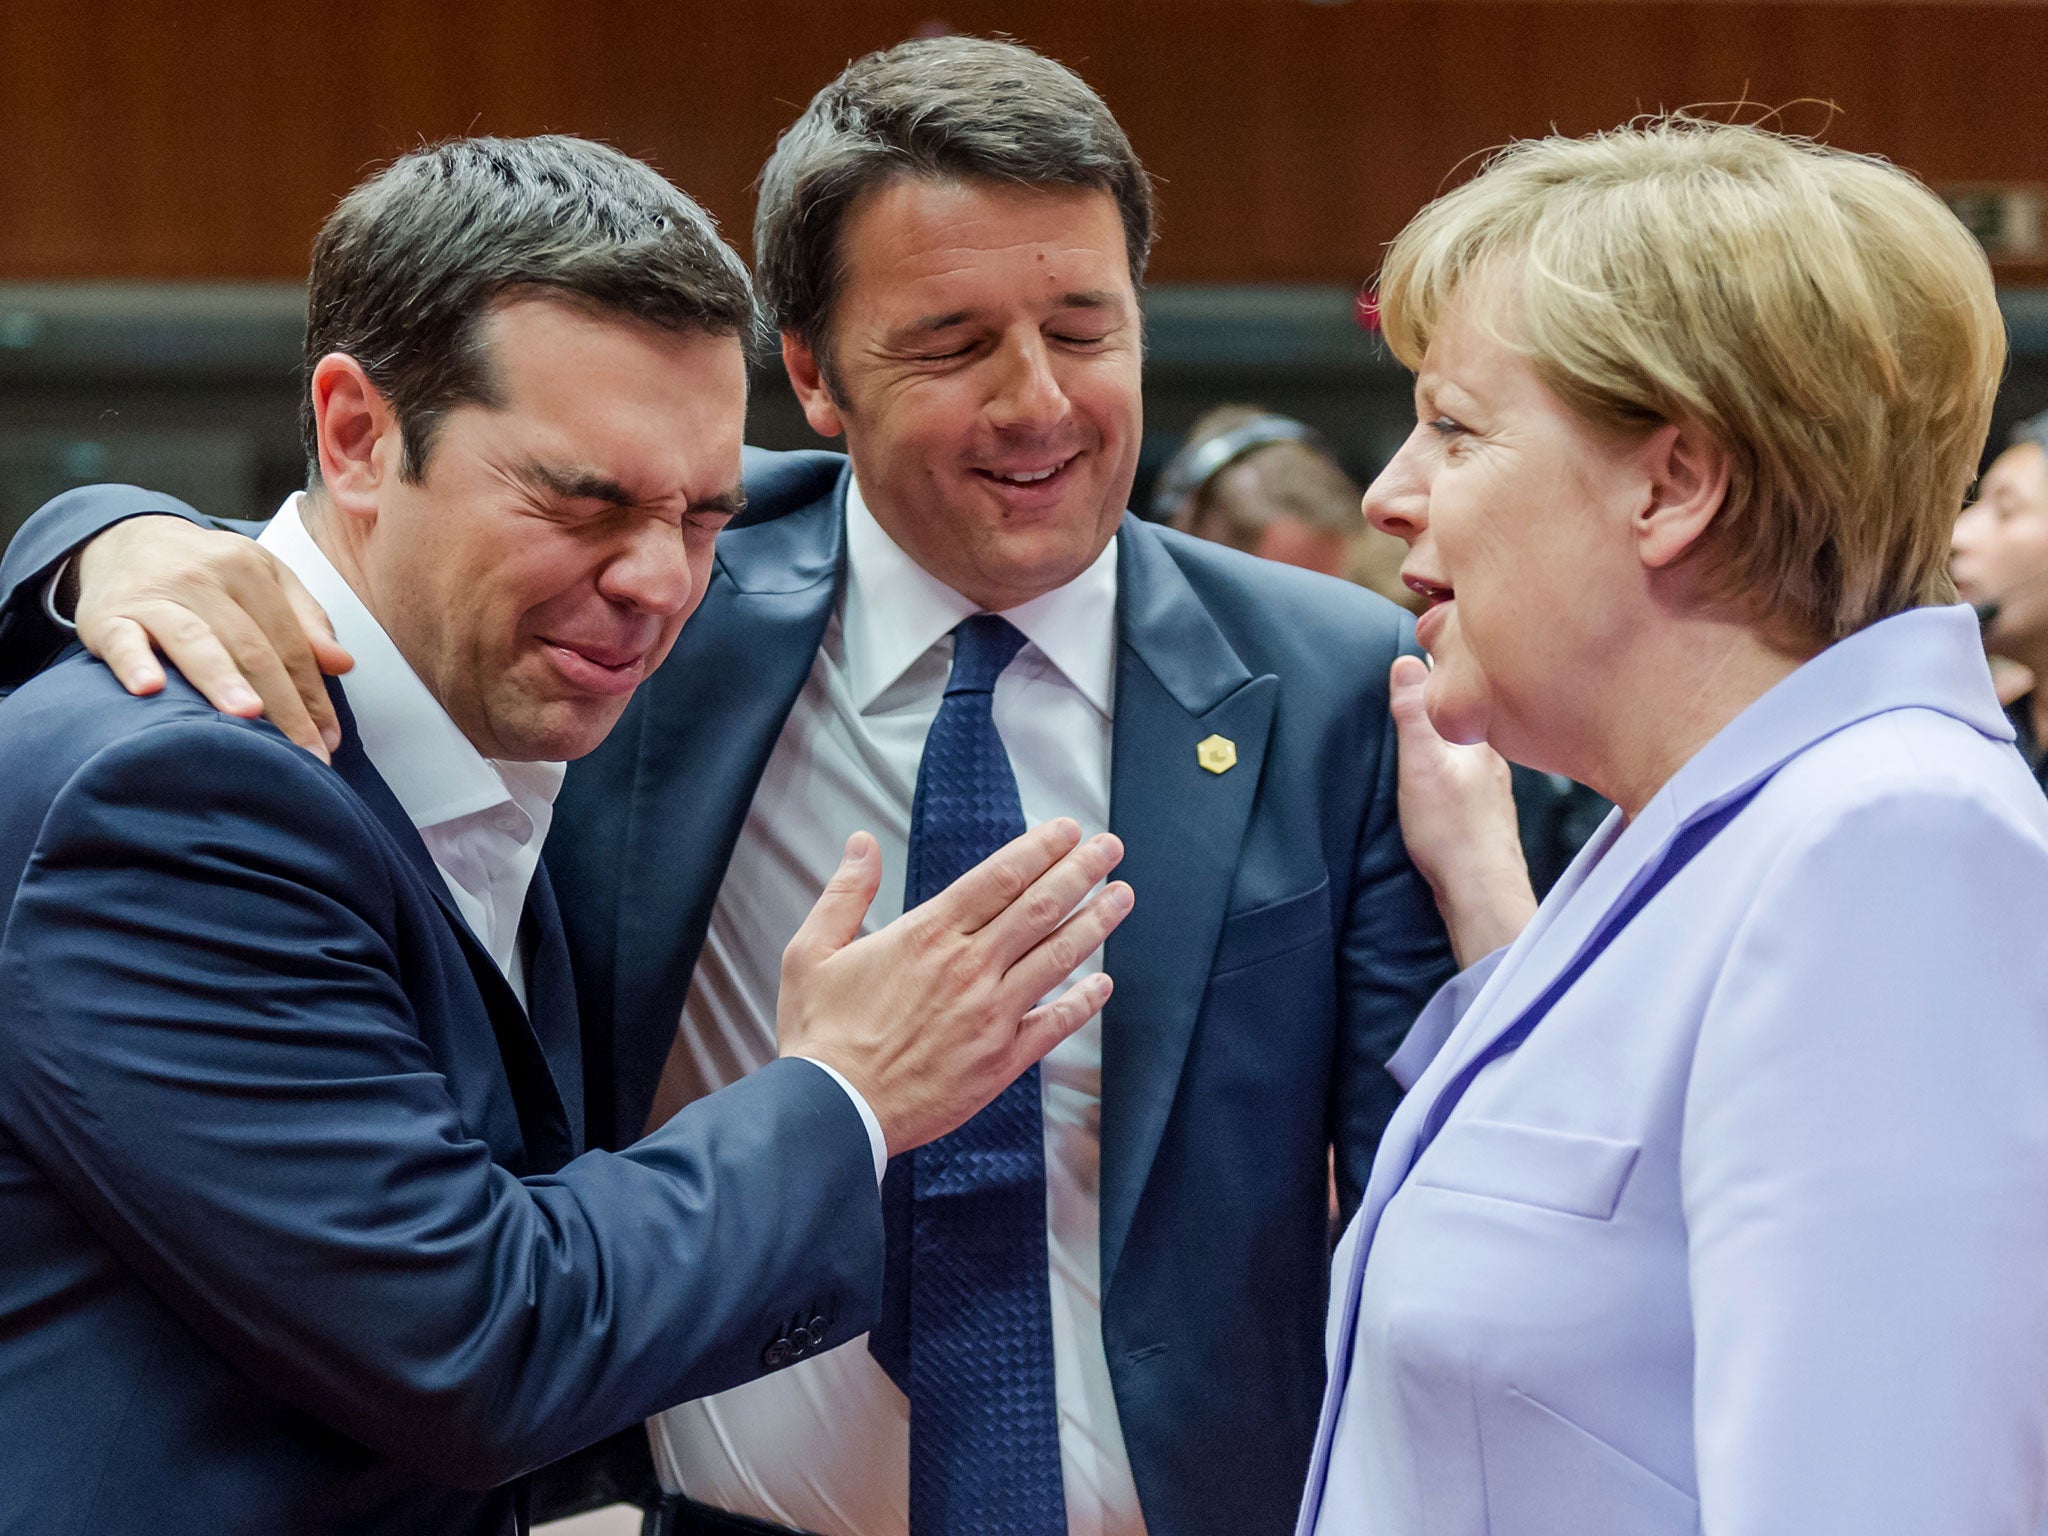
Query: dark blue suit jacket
(1280,946)
(296,1236)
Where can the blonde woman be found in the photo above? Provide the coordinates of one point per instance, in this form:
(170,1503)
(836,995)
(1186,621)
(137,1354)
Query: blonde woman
(1722,1203)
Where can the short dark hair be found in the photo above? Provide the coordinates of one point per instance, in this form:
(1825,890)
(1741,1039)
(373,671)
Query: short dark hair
(946,108)
(409,265)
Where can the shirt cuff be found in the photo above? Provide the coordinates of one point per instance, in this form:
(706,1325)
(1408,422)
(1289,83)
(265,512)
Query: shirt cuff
(50,597)
(876,1142)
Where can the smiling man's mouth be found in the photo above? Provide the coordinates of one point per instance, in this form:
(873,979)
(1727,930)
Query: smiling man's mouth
(1028,474)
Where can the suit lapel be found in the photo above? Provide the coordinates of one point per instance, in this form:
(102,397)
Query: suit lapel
(544,1124)
(1178,682)
(707,727)
(551,999)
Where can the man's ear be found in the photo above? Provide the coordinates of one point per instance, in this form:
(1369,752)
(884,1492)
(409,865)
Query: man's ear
(1687,470)
(812,392)
(356,433)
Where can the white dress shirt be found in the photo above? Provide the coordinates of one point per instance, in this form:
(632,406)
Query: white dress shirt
(824,1445)
(482,820)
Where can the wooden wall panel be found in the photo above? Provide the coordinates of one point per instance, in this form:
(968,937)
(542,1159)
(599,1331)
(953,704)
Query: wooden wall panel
(206,138)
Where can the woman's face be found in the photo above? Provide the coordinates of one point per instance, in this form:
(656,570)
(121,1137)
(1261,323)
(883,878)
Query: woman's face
(1516,512)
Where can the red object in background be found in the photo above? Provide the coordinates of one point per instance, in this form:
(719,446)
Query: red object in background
(1366,309)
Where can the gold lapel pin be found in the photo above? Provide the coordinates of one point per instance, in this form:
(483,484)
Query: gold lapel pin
(1218,754)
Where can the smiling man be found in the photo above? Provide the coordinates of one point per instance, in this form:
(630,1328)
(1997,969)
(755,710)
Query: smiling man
(299,1238)
(1105,1298)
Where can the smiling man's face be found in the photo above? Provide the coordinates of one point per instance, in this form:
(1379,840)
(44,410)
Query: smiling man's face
(985,355)
(542,566)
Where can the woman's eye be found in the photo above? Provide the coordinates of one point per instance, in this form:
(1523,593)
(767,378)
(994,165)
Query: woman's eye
(1444,426)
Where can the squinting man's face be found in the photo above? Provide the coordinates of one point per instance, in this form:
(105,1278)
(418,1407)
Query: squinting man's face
(543,566)
(1516,513)
(985,359)
(1999,550)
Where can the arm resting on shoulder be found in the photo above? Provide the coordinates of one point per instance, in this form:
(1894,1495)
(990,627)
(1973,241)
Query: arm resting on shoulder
(208,1046)
(59,529)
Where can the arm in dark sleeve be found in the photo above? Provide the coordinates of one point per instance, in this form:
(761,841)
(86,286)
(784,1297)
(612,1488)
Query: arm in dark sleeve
(1392,955)
(59,529)
(207,1045)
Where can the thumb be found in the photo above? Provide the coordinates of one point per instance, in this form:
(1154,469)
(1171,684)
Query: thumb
(328,652)
(1406,681)
(835,921)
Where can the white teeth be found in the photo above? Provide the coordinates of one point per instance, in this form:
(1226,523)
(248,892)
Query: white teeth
(1043,474)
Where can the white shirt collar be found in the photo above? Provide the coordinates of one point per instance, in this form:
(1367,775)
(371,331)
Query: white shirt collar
(433,769)
(895,611)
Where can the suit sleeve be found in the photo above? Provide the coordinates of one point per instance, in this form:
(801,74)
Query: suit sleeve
(1864,1173)
(1393,951)
(206,1043)
(60,528)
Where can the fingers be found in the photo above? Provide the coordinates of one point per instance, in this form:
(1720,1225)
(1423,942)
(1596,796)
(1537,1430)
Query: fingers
(298,630)
(1050,898)
(1054,958)
(834,922)
(1047,1025)
(123,642)
(124,646)
(989,889)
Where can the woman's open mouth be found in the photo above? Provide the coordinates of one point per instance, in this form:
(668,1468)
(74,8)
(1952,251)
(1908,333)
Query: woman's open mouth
(1431,621)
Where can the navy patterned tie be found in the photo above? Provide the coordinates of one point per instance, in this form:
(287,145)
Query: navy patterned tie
(966,1325)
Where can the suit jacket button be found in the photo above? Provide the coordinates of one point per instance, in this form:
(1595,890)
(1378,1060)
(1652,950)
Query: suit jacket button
(778,1354)
(818,1327)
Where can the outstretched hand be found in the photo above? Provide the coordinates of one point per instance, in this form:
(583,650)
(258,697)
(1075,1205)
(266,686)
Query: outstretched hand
(226,613)
(936,1014)
(1457,809)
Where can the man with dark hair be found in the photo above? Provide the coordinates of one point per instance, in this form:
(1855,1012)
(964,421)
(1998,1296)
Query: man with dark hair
(1105,1296)
(299,1238)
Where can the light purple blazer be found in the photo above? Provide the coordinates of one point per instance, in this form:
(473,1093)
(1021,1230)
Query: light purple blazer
(1750,1237)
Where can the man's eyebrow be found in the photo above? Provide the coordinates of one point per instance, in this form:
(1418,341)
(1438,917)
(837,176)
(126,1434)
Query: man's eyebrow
(571,484)
(1087,298)
(590,485)
(731,500)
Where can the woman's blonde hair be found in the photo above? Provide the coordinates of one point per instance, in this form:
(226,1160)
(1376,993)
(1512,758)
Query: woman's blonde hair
(1822,314)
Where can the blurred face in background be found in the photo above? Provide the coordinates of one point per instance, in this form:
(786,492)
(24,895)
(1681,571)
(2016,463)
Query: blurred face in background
(2000,552)
(984,365)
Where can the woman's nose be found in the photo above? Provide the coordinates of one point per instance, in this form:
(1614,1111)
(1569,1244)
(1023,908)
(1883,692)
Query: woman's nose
(1397,501)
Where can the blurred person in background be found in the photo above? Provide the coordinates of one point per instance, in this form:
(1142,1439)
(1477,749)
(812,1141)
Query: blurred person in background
(1999,553)
(1720,1201)
(1267,485)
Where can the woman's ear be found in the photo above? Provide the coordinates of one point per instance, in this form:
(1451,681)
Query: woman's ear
(1687,471)
(356,433)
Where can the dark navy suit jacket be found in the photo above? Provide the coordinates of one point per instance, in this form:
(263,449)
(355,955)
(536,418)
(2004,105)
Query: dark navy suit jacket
(294,1236)
(1280,946)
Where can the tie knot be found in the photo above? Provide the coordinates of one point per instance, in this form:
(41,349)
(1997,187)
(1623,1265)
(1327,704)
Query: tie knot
(982,647)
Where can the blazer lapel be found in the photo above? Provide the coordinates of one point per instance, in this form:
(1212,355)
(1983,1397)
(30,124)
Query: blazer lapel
(544,1124)
(707,726)
(551,999)
(1178,682)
